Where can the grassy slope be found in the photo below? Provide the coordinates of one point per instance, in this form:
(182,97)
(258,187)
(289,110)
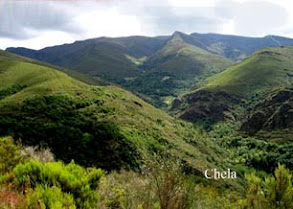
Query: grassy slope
(182,59)
(264,71)
(157,68)
(93,57)
(175,68)
(140,123)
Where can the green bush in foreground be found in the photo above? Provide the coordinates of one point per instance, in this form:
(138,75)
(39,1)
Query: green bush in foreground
(31,184)
(70,179)
(275,192)
(49,197)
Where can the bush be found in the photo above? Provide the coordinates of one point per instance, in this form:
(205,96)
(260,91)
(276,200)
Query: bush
(42,155)
(168,183)
(275,192)
(44,197)
(71,179)
(9,154)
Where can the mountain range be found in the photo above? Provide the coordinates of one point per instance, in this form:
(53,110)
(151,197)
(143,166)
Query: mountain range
(202,78)
(133,105)
(156,68)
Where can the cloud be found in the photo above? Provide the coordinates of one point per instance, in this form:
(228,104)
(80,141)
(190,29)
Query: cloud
(25,19)
(253,17)
(166,20)
(167,16)
(40,23)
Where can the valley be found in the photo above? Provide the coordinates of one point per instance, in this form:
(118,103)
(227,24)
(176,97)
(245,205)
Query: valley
(134,122)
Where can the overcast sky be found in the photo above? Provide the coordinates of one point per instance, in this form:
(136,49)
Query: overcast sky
(40,23)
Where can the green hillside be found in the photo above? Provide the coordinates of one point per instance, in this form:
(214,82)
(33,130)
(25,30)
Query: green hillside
(91,127)
(175,68)
(250,94)
(95,125)
(264,71)
(156,68)
(182,59)
(272,118)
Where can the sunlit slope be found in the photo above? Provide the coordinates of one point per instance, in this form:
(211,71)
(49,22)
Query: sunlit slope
(40,104)
(265,70)
(35,79)
(175,68)
(182,58)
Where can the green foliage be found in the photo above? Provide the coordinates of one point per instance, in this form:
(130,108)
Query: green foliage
(11,90)
(275,192)
(257,153)
(254,197)
(9,154)
(44,197)
(279,189)
(168,183)
(71,179)
(60,123)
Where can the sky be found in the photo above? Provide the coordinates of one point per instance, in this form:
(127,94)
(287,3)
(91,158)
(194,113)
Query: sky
(40,23)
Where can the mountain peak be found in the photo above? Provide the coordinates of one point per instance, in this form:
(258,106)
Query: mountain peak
(177,36)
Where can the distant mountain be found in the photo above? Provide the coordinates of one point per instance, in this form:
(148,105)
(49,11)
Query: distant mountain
(103,126)
(178,65)
(156,68)
(239,47)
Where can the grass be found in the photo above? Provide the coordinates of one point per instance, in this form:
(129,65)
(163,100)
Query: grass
(264,71)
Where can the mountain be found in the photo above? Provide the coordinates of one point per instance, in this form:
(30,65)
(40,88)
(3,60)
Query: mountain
(102,126)
(175,67)
(157,69)
(110,59)
(252,93)
(239,47)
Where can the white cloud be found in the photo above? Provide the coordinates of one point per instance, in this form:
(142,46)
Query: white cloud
(36,24)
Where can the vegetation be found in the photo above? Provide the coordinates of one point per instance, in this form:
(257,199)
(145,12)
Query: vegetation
(101,126)
(264,71)
(67,144)
(162,184)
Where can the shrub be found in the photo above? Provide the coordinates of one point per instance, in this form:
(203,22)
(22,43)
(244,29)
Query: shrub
(44,197)
(168,183)
(9,154)
(42,155)
(275,192)
(72,179)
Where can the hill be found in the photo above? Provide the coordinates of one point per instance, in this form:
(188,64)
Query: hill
(265,70)
(157,69)
(250,93)
(110,59)
(176,67)
(271,119)
(101,126)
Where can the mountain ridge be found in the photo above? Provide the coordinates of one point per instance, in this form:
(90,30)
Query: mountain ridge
(159,69)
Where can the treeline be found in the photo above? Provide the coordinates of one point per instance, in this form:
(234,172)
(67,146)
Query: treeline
(30,178)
